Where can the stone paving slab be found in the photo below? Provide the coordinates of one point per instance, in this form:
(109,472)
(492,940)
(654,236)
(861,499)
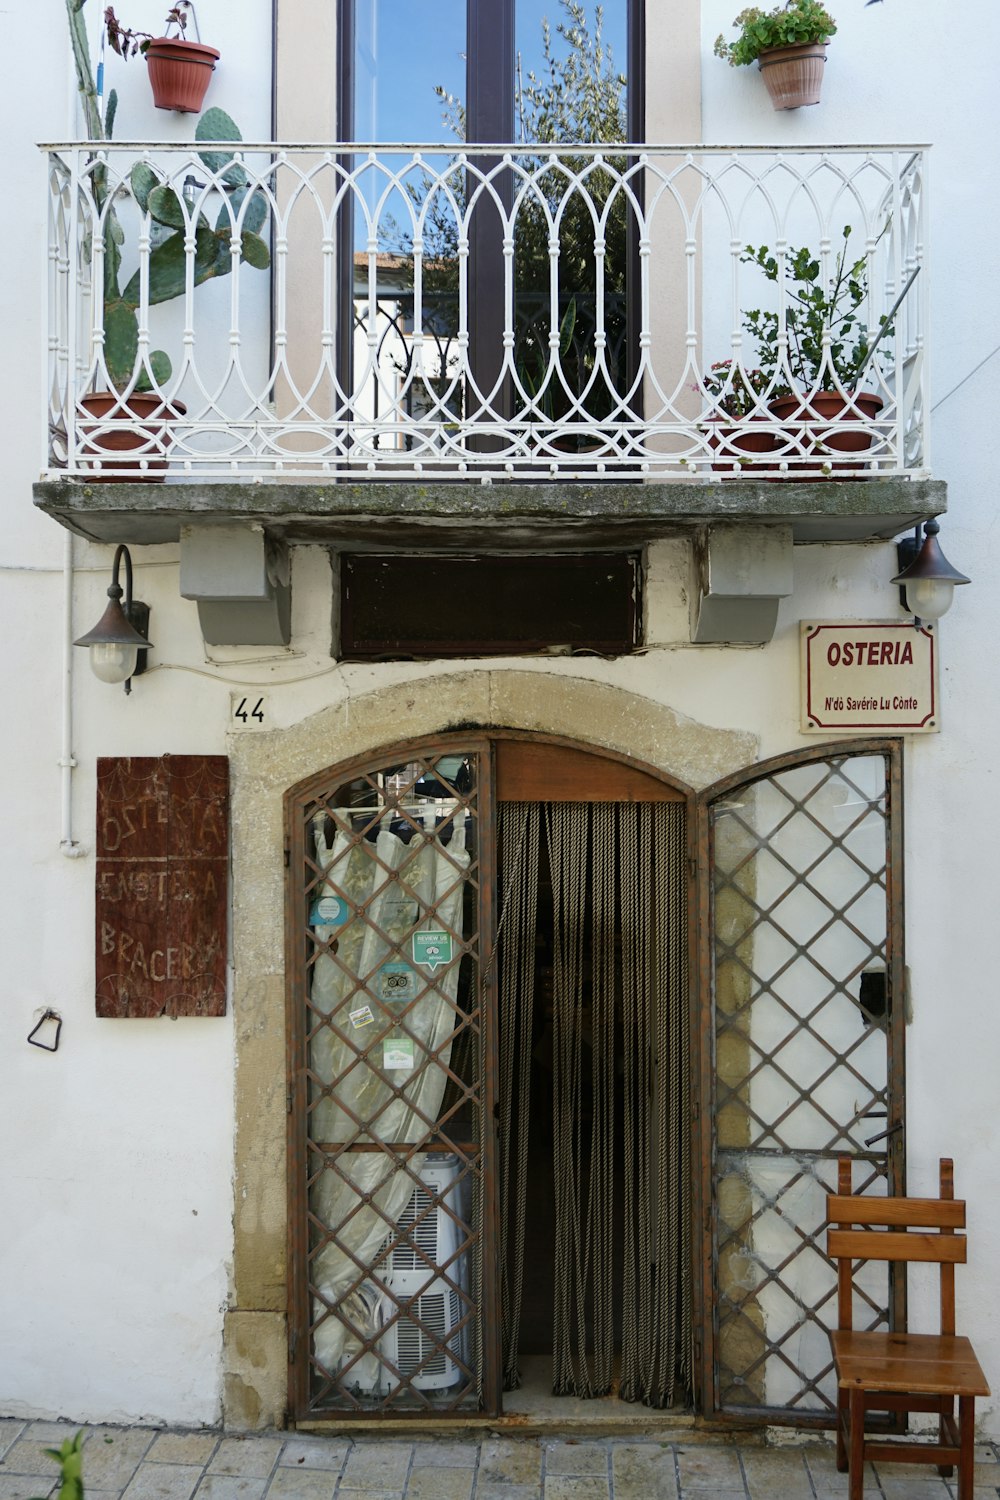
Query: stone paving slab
(236,1487)
(10,1431)
(377,1465)
(25,1486)
(372,1494)
(161,1482)
(445,1455)
(783,1473)
(302,1484)
(576,1458)
(713,1469)
(182,1447)
(643,1471)
(576,1487)
(28,1456)
(111,1455)
(440,1484)
(315,1453)
(249,1457)
(510,1461)
(488,1489)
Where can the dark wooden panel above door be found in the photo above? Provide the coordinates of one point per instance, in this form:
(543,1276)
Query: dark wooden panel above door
(529,771)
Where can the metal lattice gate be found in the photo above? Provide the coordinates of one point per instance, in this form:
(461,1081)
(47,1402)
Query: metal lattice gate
(807,1003)
(389,1283)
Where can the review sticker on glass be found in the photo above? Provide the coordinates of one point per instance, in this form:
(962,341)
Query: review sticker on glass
(397,1052)
(398,983)
(432,948)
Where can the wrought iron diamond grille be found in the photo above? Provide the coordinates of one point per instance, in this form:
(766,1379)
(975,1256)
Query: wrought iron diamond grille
(393,1063)
(801,957)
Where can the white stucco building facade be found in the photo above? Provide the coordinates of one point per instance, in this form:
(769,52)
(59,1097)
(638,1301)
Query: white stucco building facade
(146,1252)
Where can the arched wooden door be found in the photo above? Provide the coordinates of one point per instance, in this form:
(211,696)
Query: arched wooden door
(399,1149)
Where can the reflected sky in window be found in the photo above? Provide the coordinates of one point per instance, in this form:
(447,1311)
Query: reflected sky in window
(403,57)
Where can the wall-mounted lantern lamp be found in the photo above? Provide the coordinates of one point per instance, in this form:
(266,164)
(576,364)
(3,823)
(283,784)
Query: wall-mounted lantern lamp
(118,641)
(926,578)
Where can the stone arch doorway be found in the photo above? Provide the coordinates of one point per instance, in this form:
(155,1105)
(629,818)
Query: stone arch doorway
(489,1030)
(591,714)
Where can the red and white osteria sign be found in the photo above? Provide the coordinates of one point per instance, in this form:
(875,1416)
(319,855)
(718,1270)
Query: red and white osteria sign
(869,676)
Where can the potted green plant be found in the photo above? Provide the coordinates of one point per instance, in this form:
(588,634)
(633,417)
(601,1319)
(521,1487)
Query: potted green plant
(738,395)
(788,44)
(179,70)
(827,347)
(128,411)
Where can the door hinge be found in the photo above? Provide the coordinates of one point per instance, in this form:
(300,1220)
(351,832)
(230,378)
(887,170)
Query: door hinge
(289,1098)
(293,1345)
(692,866)
(288,858)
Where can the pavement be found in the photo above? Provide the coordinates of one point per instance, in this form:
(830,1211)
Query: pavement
(148,1463)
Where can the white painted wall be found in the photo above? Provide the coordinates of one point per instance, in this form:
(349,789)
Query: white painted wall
(117,1168)
(116,1176)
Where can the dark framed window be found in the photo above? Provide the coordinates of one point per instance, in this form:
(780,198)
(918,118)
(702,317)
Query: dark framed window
(426,605)
(482,74)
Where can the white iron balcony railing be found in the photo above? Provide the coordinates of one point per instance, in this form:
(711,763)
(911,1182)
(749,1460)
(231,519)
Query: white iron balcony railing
(394,311)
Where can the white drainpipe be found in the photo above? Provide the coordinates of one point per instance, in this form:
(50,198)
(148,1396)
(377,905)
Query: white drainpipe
(67,764)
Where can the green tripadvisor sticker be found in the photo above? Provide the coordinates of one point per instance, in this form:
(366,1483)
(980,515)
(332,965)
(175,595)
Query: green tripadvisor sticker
(432,948)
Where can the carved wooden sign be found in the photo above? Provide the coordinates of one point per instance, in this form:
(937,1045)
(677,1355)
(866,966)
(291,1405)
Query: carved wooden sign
(162,870)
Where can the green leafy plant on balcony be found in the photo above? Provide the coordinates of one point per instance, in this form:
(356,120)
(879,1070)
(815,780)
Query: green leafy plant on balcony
(797,24)
(826,329)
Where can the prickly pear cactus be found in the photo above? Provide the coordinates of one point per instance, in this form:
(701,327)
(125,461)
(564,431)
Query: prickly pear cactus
(243,209)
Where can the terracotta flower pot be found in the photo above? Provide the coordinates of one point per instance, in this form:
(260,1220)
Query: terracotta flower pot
(794,75)
(180,72)
(731,443)
(102,444)
(831,406)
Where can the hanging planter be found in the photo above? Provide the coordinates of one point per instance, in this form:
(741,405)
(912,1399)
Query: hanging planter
(789,46)
(179,70)
(179,73)
(794,75)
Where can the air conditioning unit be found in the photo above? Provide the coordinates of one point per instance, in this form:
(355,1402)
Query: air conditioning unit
(428,1346)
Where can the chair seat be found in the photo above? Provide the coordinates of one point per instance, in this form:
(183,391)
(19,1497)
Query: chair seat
(922,1363)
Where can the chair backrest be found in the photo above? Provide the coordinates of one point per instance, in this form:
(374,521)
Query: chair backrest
(895,1229)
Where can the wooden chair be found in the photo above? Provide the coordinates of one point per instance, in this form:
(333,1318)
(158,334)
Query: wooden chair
(902,1372)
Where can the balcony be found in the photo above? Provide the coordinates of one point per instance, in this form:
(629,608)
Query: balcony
(619,315)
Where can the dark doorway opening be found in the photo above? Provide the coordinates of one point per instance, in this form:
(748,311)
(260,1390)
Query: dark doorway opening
(593,1147)
(536,1330)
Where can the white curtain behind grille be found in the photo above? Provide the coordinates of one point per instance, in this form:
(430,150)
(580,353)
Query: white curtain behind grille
(398,886)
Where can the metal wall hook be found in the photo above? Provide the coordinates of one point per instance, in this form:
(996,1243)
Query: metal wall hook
(47,1015)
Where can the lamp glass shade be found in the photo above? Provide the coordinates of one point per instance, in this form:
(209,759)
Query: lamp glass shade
(929,598)
(113,661)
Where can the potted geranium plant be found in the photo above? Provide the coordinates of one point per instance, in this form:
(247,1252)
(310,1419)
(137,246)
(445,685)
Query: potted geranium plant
(180,70)
(827,345)
(788,44)
(738,396)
